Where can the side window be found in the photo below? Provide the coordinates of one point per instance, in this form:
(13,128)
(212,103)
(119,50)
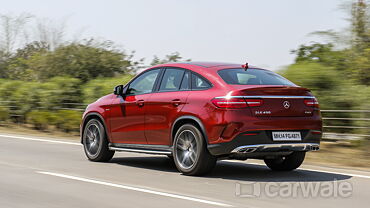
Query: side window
(199,83)
(144,83)
(185,81)
(171,80)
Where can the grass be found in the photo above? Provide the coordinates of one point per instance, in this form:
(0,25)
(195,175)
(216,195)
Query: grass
(343,154)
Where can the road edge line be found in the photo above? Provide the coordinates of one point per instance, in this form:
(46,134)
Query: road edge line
(135,189)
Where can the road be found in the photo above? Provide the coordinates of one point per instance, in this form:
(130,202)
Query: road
(42,172)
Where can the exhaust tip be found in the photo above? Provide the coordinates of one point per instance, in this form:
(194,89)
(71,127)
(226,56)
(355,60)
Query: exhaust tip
(315,148)
(248,150)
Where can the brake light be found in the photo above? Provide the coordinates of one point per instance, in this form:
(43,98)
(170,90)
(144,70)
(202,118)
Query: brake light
(236,102)
(311,102)
(229,102)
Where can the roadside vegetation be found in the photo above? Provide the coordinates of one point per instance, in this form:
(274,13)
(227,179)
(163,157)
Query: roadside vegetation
(43,72)
(338,69)
(338,73)
(47,79)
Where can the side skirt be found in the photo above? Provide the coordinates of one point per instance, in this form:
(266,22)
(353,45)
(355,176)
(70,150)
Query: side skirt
(142,148)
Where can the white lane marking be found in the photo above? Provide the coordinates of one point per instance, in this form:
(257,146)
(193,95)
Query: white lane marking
(75,143)
(40,140)
(315,170)
(136,189)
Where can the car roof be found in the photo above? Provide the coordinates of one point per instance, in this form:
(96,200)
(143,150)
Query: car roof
(210,66)
(207,69)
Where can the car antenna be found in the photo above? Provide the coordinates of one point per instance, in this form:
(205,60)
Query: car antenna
(245,66)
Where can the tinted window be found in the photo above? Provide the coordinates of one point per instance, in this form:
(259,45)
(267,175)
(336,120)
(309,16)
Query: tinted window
(171,80)
(252,77)
(144,83)
(185,81)
(199,83)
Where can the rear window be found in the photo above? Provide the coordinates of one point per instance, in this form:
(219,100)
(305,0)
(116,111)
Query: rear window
(252,77)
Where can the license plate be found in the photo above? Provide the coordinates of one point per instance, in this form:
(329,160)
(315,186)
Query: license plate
(286,136)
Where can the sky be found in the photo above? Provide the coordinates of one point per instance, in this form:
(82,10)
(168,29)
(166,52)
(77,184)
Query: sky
(261,32)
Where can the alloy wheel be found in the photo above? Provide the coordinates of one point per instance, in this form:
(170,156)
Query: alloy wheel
(186,149)
(92,139)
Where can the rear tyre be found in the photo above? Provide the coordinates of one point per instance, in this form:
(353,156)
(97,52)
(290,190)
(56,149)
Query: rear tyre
(190,152)
(286,163)
(95,142)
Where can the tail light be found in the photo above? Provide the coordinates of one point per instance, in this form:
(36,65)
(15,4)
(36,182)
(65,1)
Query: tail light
(230,102)
(254,102)
(311,102)
(236,102)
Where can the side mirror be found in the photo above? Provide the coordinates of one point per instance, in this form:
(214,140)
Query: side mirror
(118,90)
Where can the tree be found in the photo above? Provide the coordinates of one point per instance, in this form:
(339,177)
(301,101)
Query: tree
(173,57)
(360,25)
(85,61)
(11,28)
(50,32)
(18,65)
(360,20)
(351,57)
(324,54)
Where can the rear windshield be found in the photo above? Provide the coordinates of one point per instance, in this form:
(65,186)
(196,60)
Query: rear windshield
(252,77)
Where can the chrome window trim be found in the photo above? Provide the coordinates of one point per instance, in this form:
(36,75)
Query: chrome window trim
(271,96)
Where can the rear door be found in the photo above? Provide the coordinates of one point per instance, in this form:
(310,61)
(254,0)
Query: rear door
(164,105)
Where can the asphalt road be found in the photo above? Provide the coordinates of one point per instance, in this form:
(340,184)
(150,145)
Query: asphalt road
(42,172)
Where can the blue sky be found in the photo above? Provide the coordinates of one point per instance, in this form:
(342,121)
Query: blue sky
(262,32)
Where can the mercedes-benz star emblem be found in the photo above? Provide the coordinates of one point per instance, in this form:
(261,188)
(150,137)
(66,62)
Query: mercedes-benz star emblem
(286,104)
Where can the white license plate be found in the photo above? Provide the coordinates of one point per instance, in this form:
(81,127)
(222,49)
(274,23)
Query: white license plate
(286,136)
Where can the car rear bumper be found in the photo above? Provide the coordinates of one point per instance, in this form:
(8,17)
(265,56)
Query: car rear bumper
(277,147)
(262,144)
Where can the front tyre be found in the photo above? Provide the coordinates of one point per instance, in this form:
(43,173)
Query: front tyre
(286,163)
(190,151)
(95,142)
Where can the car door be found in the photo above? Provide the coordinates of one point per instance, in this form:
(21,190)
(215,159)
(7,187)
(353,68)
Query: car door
(164,105)
(128,111)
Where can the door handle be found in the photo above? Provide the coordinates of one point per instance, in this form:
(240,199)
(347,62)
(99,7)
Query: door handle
(140,103)
(176,102)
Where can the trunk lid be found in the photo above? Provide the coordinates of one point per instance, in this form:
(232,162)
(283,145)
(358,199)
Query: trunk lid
(277,101)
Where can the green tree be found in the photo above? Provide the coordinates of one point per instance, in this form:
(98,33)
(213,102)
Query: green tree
(324,54)
(84,61)
(350,56)
(360,25)
(173,57)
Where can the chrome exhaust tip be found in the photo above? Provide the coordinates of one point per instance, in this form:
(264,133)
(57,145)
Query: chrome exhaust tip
(248,150)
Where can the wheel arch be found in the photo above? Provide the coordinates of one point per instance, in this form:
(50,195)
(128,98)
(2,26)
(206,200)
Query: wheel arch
(87,118)
(188,119)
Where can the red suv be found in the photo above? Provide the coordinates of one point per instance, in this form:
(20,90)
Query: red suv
(198,112)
